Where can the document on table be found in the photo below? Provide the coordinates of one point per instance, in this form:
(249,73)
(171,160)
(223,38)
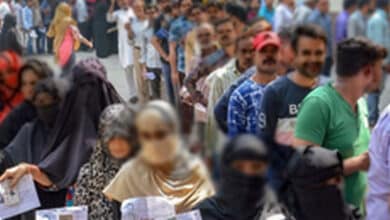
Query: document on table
(25,193)
(66,213)
(193,215)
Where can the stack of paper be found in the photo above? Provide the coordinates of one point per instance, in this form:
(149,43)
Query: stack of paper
(67,213)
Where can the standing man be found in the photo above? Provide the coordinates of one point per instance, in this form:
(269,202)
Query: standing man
(378,173)
(284,14)
(282,98)
(357,22)
(220,80)
(122,17)
(334,116)
(320,16)
(378,30)
(4,10)
(342,19)
(243,109)
(177,35)
(303,11)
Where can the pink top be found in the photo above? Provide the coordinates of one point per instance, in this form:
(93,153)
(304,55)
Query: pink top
(66,47)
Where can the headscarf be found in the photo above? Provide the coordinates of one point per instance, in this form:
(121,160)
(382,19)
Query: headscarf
(116,121)
(308,170)
(61,22)
(8,36)
(240,196)
(166,170)
(75,130)
(10,95)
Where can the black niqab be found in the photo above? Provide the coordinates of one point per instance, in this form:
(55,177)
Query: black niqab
(75,130)
(308,170)
(240,196)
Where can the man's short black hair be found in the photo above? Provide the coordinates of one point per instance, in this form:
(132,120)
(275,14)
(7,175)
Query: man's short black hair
(237,11)
(363,3)
(214,4)
(221,22)
(355,53)
(307,30)
(382,4)
(194,7)
(349,3)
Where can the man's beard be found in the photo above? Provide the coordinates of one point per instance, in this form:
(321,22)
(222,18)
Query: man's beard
(303,69)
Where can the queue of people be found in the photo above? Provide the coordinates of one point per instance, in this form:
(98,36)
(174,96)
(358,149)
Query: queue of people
(231,109)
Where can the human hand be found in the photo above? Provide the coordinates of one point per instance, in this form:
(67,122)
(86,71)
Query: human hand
(364,161)
(15,174)
(89,44)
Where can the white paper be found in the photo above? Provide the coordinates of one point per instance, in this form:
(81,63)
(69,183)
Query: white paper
(200,113)
(148,208)
(193,215)
(66,213)
(28,199)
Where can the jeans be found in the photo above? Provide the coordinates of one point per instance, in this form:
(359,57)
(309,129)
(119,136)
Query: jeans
(41,39)
(166,71)
(67,68)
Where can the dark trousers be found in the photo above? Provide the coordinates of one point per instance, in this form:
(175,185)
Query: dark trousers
(327,68)
(86,31)
(155,84)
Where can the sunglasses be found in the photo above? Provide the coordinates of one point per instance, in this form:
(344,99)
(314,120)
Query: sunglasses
(157,135)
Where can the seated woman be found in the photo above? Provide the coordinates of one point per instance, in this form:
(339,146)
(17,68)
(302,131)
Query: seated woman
(30,73)
(243,193)
(316,174)
(74,132)
(163,167)
(28,144)
(117,143)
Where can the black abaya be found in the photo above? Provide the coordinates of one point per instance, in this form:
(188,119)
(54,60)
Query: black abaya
(103,41)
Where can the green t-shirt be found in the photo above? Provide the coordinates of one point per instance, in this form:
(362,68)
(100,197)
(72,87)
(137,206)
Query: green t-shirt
(326,119)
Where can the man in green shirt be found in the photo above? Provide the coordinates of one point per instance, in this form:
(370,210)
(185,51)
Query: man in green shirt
(334,116)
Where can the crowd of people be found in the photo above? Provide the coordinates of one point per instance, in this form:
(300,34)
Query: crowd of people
(240,109)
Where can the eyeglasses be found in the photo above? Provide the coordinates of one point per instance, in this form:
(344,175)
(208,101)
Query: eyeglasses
(157,135)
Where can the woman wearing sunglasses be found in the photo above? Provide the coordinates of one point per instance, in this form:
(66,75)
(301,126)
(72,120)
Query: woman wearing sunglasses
(163,167)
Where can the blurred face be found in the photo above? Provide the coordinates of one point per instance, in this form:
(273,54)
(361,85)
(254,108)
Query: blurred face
(255,4)
(185,6)
(323,6)
(250,167)
(212,12)
(152,13)
(119,148)
(226,34)
(43,100)
(269,3)
(29,80)
(123,4)
(245,53)
(204,36)
(162,4)
(175,11)
(139,8)
(310,56)
(30,3)
(266,59)
(375,72)
(196,15)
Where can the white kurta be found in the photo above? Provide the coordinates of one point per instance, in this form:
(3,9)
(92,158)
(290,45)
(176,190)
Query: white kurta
(125,50)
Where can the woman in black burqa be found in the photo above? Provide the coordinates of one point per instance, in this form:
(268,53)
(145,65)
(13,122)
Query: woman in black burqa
(315,175)
(75,129)
(9,37)
(243,193)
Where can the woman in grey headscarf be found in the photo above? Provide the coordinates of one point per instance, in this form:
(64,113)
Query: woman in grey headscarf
(163,167)
(117,143)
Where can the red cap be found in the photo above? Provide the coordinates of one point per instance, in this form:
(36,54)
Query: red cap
(266,38)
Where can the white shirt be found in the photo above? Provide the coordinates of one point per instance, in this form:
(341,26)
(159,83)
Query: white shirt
(149,54)
(138,28)
(125,50)
(283,17)
(82,11)
(4,9)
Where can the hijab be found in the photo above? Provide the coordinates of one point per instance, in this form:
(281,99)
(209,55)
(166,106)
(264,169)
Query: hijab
(163,167)
(116,121)
(61,22)
(308,170)
(240,196)
(8,37)
(75,129)
(10,95)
